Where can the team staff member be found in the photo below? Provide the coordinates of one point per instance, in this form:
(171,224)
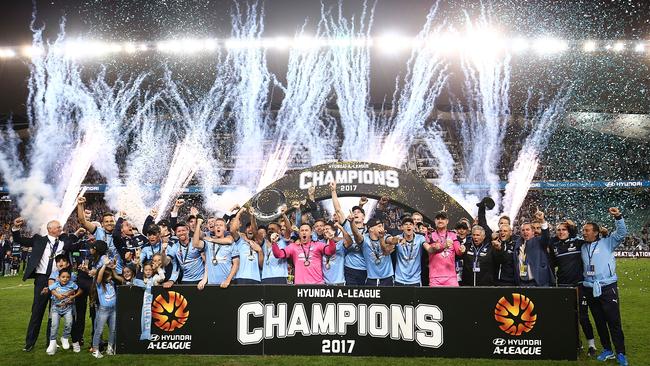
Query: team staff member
(505,270)
(479,260)
(565,255)
(532,267)
(39,267)
(601,285)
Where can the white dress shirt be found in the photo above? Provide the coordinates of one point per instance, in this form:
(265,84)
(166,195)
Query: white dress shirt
(47,254)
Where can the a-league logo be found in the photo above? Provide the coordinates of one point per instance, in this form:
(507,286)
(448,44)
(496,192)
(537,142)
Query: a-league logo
(515,317)
(171,313)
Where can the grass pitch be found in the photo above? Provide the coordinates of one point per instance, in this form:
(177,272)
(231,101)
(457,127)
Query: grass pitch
(16,297)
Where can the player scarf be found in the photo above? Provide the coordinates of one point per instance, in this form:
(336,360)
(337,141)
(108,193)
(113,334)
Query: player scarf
(145,318)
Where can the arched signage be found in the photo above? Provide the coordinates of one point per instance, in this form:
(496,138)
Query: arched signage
(355,178)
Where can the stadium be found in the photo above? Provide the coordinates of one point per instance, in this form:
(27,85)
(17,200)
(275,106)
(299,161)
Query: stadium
(164,112)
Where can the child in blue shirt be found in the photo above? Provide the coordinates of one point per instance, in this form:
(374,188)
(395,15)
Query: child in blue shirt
(63,290)
(107,298)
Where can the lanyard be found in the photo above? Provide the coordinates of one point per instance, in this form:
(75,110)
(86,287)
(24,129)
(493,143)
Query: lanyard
(215,251)
(591,254)
(267,255)
(438,235)
(376,248)
(522,253)
(411,246)
(302,247)
(187,251)
(476,254)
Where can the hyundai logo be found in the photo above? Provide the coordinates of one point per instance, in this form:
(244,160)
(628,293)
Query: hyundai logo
(499,341)
(154,337)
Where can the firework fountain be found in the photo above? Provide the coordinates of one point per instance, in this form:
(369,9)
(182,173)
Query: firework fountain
(169,136)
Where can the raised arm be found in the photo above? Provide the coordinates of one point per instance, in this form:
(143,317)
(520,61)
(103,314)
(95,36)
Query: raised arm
(81,204)
(253,220)
(173,215)
(277,252)
(358,238)
(391,242)
(347,239)
(150,220)
(621,230)
(18,238)
(482,220)
(287,224)
(382,207)
(546,236)
(196,238)
(235,225)
(102,269)
(336,203)
(385,247)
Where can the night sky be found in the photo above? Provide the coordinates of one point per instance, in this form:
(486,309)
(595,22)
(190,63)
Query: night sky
(608,83)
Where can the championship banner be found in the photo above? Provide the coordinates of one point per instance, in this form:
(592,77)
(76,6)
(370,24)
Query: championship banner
(355,178)
(493,323)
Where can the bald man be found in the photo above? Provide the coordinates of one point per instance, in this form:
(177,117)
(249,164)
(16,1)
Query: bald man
(39,267)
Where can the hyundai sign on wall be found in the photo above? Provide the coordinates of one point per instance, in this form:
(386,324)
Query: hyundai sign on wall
(500,323)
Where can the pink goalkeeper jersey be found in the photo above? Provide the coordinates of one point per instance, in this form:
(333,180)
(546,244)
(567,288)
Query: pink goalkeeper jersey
(307,260)
(442,265)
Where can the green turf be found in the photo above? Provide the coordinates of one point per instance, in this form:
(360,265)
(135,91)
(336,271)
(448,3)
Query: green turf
(15,303)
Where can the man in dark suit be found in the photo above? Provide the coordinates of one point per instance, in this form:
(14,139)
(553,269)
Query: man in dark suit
(532,267)
(39,267)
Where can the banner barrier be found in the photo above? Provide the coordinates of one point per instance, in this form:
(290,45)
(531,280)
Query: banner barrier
(487,322)
(102,188)
(632,254)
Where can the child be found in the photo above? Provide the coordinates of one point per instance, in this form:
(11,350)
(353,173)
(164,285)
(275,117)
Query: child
(106,295)
(61,262)
(63,293)
(128,274)
(6,262)
(15,265)
(157,268)
(148,280)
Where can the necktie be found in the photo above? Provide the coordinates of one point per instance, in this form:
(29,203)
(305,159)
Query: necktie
(51,259)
